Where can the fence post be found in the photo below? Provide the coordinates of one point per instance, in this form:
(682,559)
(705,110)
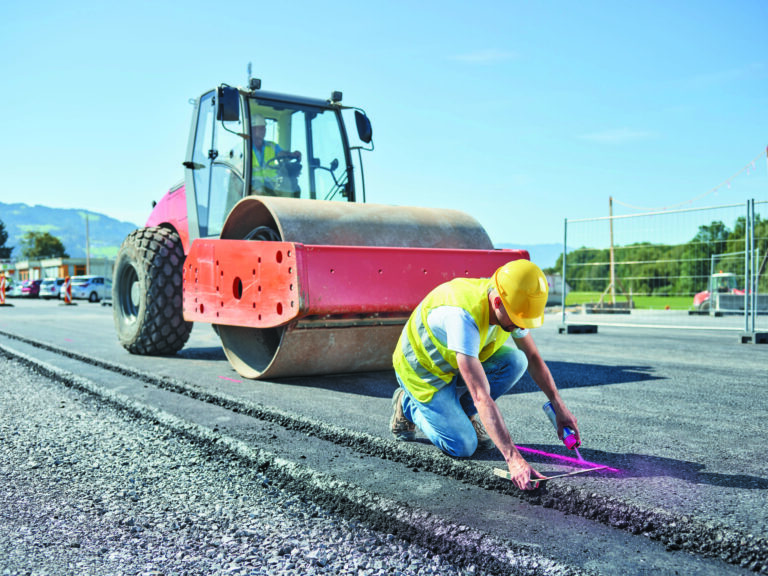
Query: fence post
(753,265)
(747,275)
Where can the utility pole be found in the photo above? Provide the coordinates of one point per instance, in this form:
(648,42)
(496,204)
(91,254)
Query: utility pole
(87,247)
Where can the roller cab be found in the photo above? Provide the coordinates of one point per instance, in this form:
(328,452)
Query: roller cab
(250,142)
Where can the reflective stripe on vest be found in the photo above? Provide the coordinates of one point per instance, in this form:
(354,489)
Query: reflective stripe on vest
(424,364)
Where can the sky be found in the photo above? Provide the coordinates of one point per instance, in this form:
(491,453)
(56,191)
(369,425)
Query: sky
(519,113)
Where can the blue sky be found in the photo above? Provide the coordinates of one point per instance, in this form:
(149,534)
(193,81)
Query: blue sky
(519,113)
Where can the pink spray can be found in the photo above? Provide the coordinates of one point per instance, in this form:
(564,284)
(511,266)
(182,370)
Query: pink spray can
(569,438)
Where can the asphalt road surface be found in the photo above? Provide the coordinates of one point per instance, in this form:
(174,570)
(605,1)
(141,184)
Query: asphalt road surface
(678,416)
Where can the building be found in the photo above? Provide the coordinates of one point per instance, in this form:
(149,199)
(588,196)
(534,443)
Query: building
(22,270)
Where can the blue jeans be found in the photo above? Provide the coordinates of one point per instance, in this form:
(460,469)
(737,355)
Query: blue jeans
(445,418)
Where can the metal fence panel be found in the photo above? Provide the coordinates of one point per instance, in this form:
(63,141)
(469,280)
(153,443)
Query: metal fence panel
(701,269)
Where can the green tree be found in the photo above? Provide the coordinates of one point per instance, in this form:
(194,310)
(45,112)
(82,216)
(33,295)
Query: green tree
(736,244)
(586,269)
(643,268)
(5,251)
(39,245)
(710,239)
(761,245)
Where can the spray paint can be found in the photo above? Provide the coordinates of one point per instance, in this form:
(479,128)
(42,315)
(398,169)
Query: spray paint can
(569,438)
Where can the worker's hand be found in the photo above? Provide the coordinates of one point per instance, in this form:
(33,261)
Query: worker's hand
(296,154)
(565,418)
(521,472)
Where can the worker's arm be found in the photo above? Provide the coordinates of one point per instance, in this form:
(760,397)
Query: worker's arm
(477,383)
(541,375)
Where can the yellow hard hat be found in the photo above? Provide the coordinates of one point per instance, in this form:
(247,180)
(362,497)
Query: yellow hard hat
(523,289)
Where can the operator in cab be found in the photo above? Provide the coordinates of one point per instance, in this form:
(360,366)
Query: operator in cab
(453,362)
(265,165)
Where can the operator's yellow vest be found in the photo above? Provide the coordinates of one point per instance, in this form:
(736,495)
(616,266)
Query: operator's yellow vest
(262,170)
(423,364)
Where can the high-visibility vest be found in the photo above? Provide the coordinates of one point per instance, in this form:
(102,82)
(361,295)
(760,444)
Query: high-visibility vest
(259,170)
(423,364)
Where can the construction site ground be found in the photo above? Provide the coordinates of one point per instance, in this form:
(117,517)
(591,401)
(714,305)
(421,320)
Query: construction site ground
(680,417)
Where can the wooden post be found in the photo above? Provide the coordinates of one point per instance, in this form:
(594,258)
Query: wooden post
(613,274)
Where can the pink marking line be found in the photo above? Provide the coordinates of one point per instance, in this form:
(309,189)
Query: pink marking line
(568,459)
(231,379)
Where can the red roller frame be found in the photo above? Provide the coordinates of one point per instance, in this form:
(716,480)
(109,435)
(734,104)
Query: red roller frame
(270,284)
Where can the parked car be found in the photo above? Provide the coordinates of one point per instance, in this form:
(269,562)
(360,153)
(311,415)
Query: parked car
(50,287)
(91,288)
(12,289)
(31,288)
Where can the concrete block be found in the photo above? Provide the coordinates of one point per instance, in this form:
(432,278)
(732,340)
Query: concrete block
(578,329)
(754,338)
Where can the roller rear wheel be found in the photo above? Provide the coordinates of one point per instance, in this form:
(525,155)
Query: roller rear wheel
(147,298)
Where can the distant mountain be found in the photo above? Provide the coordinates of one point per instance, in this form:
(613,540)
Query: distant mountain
(544,255)
(68,225)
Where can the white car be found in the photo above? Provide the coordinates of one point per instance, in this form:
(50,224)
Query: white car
(91,288)
(14,290)
(50,287)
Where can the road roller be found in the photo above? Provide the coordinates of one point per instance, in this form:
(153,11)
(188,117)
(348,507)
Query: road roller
(266,240)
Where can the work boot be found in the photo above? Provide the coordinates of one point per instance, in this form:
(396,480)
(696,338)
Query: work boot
(484,441)
(401,428)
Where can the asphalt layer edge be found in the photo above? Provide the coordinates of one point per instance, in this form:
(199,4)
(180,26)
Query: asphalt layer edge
(461,544)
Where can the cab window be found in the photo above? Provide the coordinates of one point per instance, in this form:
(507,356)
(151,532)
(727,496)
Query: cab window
(297,152)
(218,164)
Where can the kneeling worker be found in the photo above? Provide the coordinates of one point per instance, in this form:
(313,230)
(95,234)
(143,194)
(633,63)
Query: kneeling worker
(454,343)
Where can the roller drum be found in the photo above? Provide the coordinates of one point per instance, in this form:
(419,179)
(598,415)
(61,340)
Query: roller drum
(343,224)
(302,348)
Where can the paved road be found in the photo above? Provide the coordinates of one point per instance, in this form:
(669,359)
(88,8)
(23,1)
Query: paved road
(680,415)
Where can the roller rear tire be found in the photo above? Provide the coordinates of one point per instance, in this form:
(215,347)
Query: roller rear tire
(147,293)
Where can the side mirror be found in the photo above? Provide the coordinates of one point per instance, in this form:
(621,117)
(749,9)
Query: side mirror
(364,128)
(227,104)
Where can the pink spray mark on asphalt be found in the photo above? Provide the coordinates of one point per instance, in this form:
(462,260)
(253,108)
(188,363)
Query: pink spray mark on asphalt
(231,379)
(568,459)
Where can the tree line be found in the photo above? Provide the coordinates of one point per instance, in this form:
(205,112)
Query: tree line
(34,245)
(667,270)
(640,268)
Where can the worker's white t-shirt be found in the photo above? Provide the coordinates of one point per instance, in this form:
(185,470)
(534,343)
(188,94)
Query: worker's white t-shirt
(455,329)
